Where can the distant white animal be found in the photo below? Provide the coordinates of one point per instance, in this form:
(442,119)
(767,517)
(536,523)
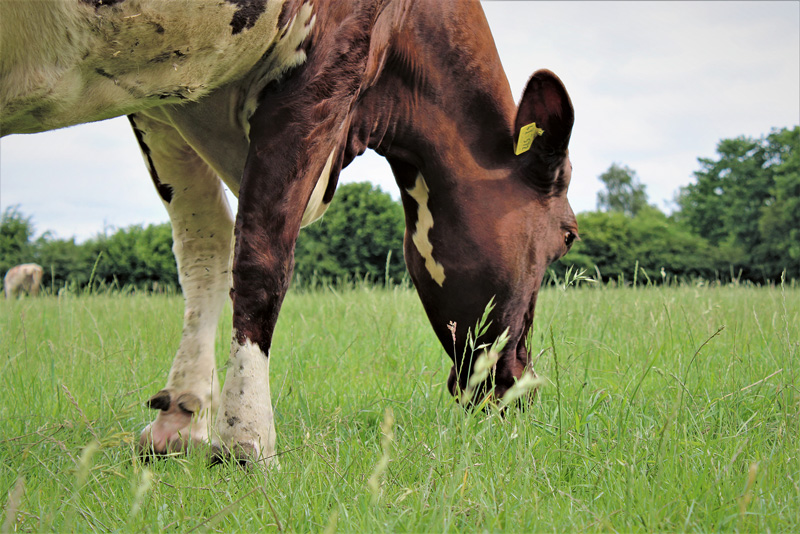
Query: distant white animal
(26,277)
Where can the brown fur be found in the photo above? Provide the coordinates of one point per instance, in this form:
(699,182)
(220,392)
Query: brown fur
(421,83)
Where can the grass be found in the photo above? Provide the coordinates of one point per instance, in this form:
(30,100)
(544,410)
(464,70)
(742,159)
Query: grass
(671,408)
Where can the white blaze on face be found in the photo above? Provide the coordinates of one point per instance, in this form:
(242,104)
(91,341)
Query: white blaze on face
(424,224)
(245,414)
(316,207)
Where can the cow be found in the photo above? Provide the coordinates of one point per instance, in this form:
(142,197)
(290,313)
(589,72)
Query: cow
(273,98)
(24,278)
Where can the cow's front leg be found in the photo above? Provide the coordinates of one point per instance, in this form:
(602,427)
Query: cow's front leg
(276,197)
(202,230)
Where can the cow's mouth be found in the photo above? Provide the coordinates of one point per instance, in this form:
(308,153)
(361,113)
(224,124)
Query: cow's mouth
(514,362)
(517,361)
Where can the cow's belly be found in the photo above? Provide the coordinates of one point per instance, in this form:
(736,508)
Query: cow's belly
(65,63)
(223,143)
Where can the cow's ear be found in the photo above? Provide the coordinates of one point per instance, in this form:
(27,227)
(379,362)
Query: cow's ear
(544,121)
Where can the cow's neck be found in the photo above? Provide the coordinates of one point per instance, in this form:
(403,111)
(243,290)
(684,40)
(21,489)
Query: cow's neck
(442,113)
(440,104)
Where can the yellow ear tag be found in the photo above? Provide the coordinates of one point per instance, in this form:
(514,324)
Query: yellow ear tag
(527,134)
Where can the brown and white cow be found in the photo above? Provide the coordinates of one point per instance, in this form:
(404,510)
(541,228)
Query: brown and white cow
(273,98)
(25,278)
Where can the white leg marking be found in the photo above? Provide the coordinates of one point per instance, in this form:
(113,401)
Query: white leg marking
(244,421)
(316,207)
(424,225)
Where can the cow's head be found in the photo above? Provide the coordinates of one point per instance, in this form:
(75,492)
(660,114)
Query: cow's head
(490,226)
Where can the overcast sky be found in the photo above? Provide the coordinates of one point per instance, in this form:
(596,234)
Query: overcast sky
(655,85)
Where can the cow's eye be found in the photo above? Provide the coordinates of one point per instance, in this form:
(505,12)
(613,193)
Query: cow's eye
(569,238)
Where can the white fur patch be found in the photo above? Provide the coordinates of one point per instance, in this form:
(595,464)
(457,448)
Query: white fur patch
(316,207)
(245,413)
(284,56)
(424,224)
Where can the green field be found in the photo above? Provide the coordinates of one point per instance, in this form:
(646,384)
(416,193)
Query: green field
(664,408)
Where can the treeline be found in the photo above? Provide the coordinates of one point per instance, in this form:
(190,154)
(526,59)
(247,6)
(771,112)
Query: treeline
(136,256)
(739,221)
(359,238)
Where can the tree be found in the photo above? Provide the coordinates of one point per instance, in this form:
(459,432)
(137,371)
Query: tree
(136,256)
(624,192)
(747,198)
(133,256)
(362,226)
(16,231)
(616,244)
(779,224)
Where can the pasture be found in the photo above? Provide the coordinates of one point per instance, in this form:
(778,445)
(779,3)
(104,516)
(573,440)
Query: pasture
(664,408)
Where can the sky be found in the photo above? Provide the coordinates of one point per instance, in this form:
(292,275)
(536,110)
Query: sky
(655,85)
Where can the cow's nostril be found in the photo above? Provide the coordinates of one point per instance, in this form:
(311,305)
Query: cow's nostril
(160,401)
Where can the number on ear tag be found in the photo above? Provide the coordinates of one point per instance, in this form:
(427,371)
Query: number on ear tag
(527,134)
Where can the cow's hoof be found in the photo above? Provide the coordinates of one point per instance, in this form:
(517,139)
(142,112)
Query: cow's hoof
(181,423)
(247,455)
